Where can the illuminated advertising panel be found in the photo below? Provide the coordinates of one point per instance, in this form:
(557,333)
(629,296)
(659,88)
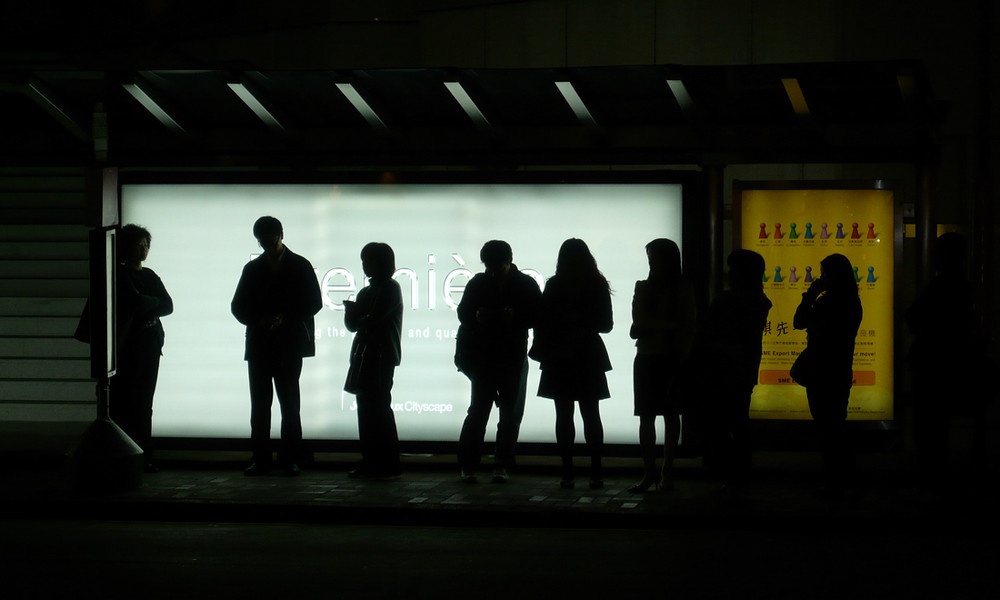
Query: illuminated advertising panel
(202,238)
(794,229)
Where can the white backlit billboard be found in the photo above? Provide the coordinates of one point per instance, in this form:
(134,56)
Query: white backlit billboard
(202,238)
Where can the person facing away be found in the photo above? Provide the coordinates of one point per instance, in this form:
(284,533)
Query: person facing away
(496,311)
(947,360)
(664,313)
(376,317)
(276,298)
(830,312)
(575,311)
(732,339)
(142,300)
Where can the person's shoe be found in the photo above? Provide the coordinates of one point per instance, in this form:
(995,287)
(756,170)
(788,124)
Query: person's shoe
(467,476)
(566,483)
(256,470)
(500,475)
(360,473)
(647,481)
(596,484)
(151,468)
(291,470)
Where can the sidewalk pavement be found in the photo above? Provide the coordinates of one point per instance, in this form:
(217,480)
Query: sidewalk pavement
(211,487)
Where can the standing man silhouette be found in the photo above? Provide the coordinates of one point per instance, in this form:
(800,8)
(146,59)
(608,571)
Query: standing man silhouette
(496,311)
(276,298)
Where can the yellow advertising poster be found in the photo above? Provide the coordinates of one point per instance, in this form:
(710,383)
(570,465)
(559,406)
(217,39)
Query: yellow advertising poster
(794,230)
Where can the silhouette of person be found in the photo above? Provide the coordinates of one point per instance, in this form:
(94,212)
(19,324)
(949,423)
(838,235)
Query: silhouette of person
(142,300)
(377,319)
(496,311)
(830,312)
(276,298)
(575,311)
(732,339)
(664,313)
(948,359)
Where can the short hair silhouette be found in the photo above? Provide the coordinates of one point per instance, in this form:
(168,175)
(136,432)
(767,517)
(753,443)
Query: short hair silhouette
(381,259)
(267,227)
(495,252)
(130,235)
(746,269)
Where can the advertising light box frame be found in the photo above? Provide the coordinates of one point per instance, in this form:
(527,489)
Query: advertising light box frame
(764,209)
(206,227)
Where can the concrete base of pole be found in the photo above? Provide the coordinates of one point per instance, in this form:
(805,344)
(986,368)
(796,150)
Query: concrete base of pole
(106,459)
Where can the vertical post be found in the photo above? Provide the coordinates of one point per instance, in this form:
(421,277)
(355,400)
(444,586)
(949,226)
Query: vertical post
(926,221)
(715,175)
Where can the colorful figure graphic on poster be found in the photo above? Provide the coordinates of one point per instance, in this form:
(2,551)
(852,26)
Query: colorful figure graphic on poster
(845,220)
(763,231)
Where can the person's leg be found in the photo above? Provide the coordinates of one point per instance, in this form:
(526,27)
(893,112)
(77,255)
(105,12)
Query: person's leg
(470,441)
(593,432)
(286,383)
(829,411)
(145,388)
(644,400)
(122,399)
(741,454)
(510,402)
(386,451)
(647,444)
(565,435)
(261,397)
(671,434)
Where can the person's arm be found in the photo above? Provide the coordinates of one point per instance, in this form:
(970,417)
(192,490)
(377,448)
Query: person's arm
(469,303)
(804,313)
(242,305)
(159,303)
(638,311)
(683,318)
(386,301)
(605,321)
(354,310)
(305,300)
(525,314)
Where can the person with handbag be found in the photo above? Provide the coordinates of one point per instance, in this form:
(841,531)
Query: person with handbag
(377,319)
(830,312)
(498,308)
(575,311)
